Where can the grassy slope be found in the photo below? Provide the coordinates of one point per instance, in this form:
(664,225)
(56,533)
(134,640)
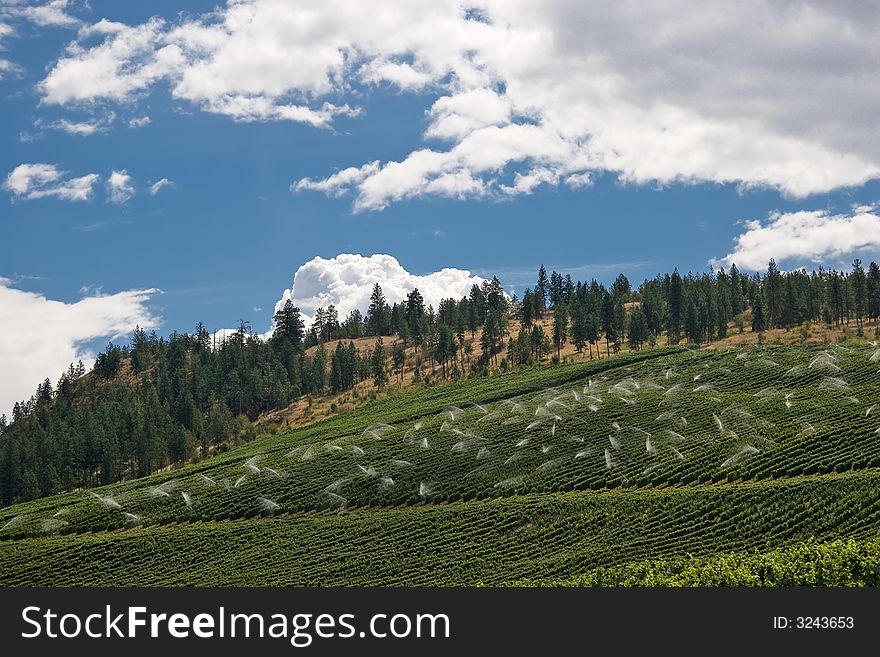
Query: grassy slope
(528,530)
(556,535)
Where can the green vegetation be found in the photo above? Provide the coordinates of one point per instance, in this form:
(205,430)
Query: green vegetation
(836,563)
(493,541)
(161,402)
(670,466)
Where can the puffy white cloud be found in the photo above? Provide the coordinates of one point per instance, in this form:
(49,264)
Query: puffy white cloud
(400,74)
(157,186)
(756,93)
(456,116)
(125,62)
(50,14)
(41,336)
(119,187)
(33,181)
(806,236)
(139,122)
(347,280)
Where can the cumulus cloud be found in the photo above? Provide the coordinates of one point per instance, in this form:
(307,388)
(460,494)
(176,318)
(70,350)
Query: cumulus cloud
(119,187)
(41,336)
(157,186)
(33,181)
(806,236)
(139,122)
(125,62)
(51,14)
(755,93)
(347,280)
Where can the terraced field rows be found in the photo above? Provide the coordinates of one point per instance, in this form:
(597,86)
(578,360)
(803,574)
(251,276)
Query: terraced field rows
(552,536)
(663,418)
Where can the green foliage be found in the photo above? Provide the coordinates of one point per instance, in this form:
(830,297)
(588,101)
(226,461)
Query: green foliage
(848,562)
(692,536)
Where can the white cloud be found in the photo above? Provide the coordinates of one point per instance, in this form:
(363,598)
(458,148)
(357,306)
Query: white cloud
(33,181)
(7,67)
(139,122)
(159,184)
(83,128)
(124,63)
(455,117)
(347,280)
(119,187)
(41,336)
(339,182)
(51,14)
(400,74)
(755,93)
(259,108)
(806,236)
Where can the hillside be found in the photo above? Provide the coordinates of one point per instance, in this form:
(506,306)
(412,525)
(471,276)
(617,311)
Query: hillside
(536,474)
(305,411)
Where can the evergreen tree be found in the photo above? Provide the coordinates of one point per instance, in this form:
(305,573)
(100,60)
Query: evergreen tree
(637,328)
(528,308)
(737,303)
(378,314)
(560,326)
(872,290)
(289,327)
(414,311)
(860,292)
(542,290)
(674,306)
(759,324)
(578,313)
(378,364)
(398,356)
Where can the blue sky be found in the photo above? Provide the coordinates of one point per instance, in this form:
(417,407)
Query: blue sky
(223,241)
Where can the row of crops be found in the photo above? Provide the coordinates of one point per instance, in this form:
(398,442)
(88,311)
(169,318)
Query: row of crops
(553,537)
(849,562)
(669,417)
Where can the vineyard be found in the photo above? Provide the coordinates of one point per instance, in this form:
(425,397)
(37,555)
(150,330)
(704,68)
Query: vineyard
(540,475)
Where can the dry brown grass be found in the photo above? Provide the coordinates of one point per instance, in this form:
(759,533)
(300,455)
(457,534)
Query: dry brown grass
(304,411)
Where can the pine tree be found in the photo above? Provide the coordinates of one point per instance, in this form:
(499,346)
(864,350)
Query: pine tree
(873,290)
(542,290)
(674,305)
(289,326)
(860,292)
(737,303)
(378,313)
(578,313)
(560,326)
(759,324)
(378,364)
(398,356)
(637,328)
(414,311)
